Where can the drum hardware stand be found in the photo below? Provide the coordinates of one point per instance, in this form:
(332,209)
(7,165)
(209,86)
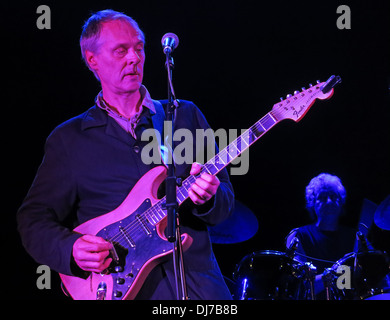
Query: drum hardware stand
(328,279)
(290,252)
(310,272)
(173,230)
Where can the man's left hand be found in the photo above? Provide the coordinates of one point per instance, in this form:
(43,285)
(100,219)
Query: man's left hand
(204,187)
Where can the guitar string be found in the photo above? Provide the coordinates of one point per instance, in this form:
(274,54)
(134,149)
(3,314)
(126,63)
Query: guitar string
(149,215)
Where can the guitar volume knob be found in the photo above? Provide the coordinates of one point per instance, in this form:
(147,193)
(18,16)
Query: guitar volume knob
(117,294)
(118,269)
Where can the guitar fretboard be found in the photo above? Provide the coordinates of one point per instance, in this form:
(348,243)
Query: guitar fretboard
(156,213)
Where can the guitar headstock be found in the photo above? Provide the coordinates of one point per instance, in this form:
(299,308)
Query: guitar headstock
(295,106)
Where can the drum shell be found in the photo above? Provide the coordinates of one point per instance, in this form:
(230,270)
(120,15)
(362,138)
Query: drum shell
(268,275)
(369,275)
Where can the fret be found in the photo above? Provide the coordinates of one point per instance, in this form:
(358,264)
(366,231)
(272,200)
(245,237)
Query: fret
(232,151)
(259,123)
(180,195)
(211,167)
(238,144)
(206,168)
(191,180)
(186,184)
(151,216)
(242,139)
(245,137)
(272,116)
(236,151)
(267,121)
(159,212)
(218,163)
(251,136)
(257,129)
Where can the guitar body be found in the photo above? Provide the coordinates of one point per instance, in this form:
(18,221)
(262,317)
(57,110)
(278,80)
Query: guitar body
(136,256)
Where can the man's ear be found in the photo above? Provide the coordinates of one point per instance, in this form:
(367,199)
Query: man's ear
(90,57)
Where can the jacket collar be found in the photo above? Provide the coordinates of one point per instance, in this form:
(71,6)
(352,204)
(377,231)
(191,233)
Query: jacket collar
(94,117)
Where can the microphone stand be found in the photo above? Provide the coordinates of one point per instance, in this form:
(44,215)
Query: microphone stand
(173,230)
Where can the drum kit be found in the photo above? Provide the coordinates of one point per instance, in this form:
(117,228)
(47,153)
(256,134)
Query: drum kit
(278,275)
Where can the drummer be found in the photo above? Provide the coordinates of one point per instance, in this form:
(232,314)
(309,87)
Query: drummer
(325,241)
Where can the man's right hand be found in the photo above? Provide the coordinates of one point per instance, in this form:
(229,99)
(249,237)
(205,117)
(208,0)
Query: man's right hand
(91,252)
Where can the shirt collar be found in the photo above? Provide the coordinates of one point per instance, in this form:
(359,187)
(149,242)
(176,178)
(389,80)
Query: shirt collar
(97,115)
(145,96)
(147,100)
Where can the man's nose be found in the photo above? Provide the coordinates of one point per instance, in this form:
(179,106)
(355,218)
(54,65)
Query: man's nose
(132,56)
(329,199)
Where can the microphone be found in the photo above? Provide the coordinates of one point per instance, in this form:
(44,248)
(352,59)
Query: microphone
(362,242)
(169,42)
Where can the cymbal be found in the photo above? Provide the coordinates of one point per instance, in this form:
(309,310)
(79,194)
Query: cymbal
(382,214)
(240,226)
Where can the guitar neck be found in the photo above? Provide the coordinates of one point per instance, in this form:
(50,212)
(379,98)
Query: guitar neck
(230,152)
(218,162)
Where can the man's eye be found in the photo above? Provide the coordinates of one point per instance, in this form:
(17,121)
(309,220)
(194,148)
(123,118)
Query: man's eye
(120,51)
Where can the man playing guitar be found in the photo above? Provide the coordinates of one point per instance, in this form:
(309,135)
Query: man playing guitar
(93,161)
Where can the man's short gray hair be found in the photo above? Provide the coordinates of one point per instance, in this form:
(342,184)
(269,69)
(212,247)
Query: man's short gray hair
(89,39)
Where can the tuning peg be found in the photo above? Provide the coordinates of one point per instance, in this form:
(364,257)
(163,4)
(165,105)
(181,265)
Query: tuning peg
(289,95)
(318,81)
(296,91)
(281,98)
(310,85)
(303,88)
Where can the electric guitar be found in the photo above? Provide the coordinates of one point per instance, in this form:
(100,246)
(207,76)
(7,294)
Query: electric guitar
(136,227)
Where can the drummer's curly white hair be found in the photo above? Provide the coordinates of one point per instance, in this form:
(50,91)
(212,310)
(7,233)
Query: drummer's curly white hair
(323,181)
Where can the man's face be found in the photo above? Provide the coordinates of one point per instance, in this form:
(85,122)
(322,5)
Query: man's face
(328,202)
(120,59)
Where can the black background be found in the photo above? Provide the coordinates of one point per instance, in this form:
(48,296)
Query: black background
(235,59)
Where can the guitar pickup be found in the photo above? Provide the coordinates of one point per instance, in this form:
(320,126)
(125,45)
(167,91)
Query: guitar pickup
(143,225)
(127,237)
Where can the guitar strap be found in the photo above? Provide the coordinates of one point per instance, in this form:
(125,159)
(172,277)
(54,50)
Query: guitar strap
(159,117)
(166,150)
